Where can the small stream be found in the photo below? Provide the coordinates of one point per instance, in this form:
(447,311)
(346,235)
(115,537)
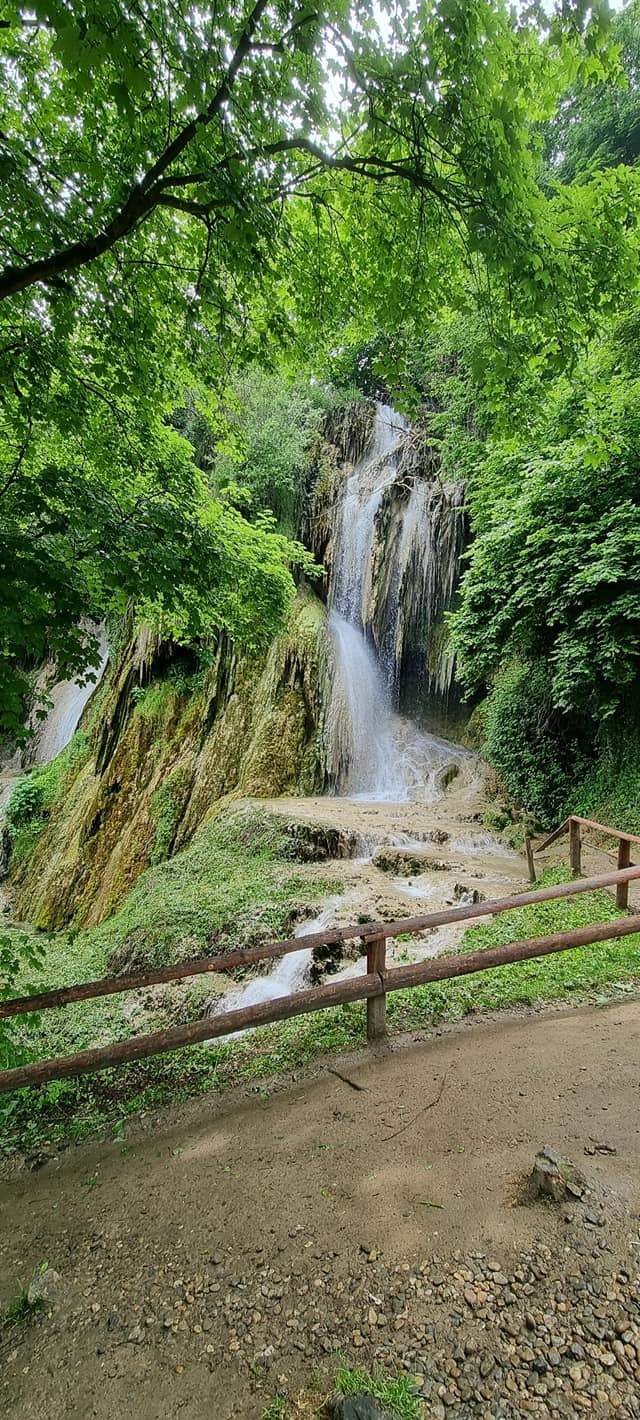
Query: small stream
(289,974)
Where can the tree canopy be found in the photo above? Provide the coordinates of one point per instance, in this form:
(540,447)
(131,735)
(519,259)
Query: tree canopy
(188,190)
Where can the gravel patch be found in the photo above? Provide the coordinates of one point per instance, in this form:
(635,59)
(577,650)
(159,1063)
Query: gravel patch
(556,1334)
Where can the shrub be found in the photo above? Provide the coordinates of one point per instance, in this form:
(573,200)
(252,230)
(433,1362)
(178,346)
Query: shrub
(538,751)
(25,804)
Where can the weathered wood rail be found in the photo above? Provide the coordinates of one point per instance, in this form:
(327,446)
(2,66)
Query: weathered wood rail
(373,986)
(574,826)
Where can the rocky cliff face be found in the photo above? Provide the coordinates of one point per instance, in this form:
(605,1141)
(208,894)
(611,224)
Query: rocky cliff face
(164,749)
(419,535)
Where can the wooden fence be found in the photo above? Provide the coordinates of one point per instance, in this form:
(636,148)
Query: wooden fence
(373,986)
(575,827)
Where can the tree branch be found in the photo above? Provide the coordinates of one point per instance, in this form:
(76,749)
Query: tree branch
(154,189)
(142,197)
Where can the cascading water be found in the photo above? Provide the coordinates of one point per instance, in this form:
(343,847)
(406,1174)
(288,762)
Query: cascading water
(68,700)
(361,728)
(372,751)
(365,753)
(287,976)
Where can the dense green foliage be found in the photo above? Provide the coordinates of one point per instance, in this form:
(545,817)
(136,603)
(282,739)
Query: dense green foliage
(184,191)
(255,444)
(549,602)
(598,125)
(553,570)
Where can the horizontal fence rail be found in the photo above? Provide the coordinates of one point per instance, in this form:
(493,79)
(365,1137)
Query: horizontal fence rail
(228,961)
(373,986)
(574,826)
(318,998)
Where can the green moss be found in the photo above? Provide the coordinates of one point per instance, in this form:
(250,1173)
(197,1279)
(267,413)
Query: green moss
(167,805)
(156,700)
(233,883)
(38,790)
(284,754)
(162,758)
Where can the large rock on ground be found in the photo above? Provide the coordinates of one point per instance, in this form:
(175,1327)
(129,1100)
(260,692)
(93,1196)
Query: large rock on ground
(45,1288)
(556,1177)
(359,1407)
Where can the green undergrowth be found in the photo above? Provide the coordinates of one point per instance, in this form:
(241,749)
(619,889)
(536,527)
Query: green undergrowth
(35,794)
(72,1110)
(550,764)
(237,884)
(609,790)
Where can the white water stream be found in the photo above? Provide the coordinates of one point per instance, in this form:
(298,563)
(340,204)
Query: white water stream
(375,754)
(290,973)
(68,700)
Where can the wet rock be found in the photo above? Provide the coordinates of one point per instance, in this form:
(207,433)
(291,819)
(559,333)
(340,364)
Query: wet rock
(556,1177)
(359,1407)
(466,896)
(325,961)
(406,862)
(5,854)
(318,842)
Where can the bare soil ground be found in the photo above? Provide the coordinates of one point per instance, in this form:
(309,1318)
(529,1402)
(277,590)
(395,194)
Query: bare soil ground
(236,1246)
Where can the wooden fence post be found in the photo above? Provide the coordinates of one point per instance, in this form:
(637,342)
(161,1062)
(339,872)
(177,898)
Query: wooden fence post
(575,846)
(624,856)
(530,863)
(376,1005)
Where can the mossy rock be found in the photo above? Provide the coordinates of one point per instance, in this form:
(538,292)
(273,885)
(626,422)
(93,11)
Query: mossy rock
(163,756)
(406,863)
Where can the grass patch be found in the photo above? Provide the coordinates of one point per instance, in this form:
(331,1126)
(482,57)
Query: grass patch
(236,884)
(276,1409)
(395,1394)
(72,1110)
(21,1310)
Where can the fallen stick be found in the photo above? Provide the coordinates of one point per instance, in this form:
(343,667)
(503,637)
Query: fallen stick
(424,1109)
(345,1079)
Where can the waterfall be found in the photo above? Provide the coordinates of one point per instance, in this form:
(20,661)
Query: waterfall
(386,584)
(68,700)
(364,749)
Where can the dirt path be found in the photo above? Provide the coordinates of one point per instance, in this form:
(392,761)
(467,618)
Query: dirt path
(233,1246)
